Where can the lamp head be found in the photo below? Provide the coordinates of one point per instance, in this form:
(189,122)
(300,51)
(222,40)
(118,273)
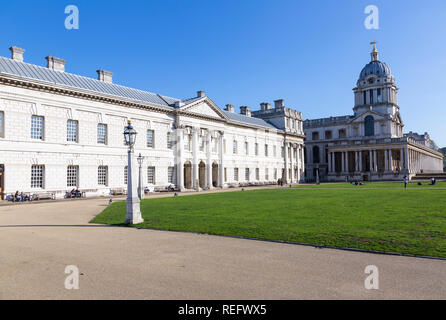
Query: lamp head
(129,135)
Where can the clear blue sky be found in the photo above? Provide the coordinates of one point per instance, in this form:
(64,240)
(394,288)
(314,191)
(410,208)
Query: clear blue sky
(245,52)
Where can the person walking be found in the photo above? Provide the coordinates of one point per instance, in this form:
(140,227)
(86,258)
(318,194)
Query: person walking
(406,180)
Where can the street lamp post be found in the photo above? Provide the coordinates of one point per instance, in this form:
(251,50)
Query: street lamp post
(140,182)
(133,214)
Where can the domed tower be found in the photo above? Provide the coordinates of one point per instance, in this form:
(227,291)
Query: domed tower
(376,89)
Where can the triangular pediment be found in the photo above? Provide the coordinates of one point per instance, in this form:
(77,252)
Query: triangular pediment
(204,107)
(361,117)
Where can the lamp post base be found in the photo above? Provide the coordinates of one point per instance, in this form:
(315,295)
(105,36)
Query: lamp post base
(133,212)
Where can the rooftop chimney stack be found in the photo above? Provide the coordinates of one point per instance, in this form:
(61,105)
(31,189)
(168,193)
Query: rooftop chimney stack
(105,76)
(278,104)
(200,94)
(17,53)
(245,111)
(56,64)
(264,106)
(229,107)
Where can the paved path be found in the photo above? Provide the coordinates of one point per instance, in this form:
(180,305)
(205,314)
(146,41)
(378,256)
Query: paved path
(37,242)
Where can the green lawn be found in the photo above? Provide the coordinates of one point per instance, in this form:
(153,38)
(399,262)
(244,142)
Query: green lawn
(384,218)
(374,185)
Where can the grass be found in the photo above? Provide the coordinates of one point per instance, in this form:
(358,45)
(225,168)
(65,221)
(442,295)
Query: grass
(385,217)
(377,185)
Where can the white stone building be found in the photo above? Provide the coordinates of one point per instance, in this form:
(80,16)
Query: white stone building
(370,144)
(60,131)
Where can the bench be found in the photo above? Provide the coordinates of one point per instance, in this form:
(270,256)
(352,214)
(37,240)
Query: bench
(118,192)
(43,195)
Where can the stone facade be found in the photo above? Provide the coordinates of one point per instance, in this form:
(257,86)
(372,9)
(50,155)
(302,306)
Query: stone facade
(56,136)
(368,145)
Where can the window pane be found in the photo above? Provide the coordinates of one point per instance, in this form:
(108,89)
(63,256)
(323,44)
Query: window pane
(151,175)
(170,175)
(37,127)
(72,130)
(102,133)
(102,175)
(72,176)
(37,176)
(169,140)
(150,134)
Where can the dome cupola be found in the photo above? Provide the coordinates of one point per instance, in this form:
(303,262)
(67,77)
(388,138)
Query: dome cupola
(375,67)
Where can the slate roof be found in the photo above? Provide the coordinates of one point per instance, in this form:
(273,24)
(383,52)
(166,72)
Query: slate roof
(35,72)
(236,117)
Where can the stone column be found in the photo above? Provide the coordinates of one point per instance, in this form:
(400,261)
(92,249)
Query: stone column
(390,160)
(407,162)
(285,168)
(371,160)
(356,161)
(291,163)
(375,162)
(346,162)
(299,163)
(221,174)
(386,161)
(195,171)
(360,161)
(329,162)
(179,157)
(402,159)
(209,159)
(342,162)
(333,161)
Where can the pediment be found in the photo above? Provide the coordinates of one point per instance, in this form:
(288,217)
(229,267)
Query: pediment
(362,116)
(204,107)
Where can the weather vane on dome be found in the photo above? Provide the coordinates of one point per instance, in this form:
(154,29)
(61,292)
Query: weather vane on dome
(374,51)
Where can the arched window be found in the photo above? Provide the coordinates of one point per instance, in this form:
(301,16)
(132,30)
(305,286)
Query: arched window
(369,126)
(316,155)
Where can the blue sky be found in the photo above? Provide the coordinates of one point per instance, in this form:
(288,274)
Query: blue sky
(245,52)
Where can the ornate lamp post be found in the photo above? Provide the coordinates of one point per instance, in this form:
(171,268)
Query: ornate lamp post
(133,215)
(140,182)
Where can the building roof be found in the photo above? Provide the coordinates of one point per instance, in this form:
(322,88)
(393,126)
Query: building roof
(236,117)
(34,72)
(377,68)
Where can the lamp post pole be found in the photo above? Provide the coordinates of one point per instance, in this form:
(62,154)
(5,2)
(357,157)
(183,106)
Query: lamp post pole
(140,182)
(133,214)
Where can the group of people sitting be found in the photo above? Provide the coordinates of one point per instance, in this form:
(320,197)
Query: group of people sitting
(75,193)
(20,197)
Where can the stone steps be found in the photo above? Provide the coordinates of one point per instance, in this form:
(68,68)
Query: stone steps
(428,176)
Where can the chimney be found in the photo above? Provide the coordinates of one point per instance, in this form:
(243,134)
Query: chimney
(56,64)
(17,53)
(200,94)
(245,111)
(230,108)
(264,106)
(278,104)
(179,104)
(105,76)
